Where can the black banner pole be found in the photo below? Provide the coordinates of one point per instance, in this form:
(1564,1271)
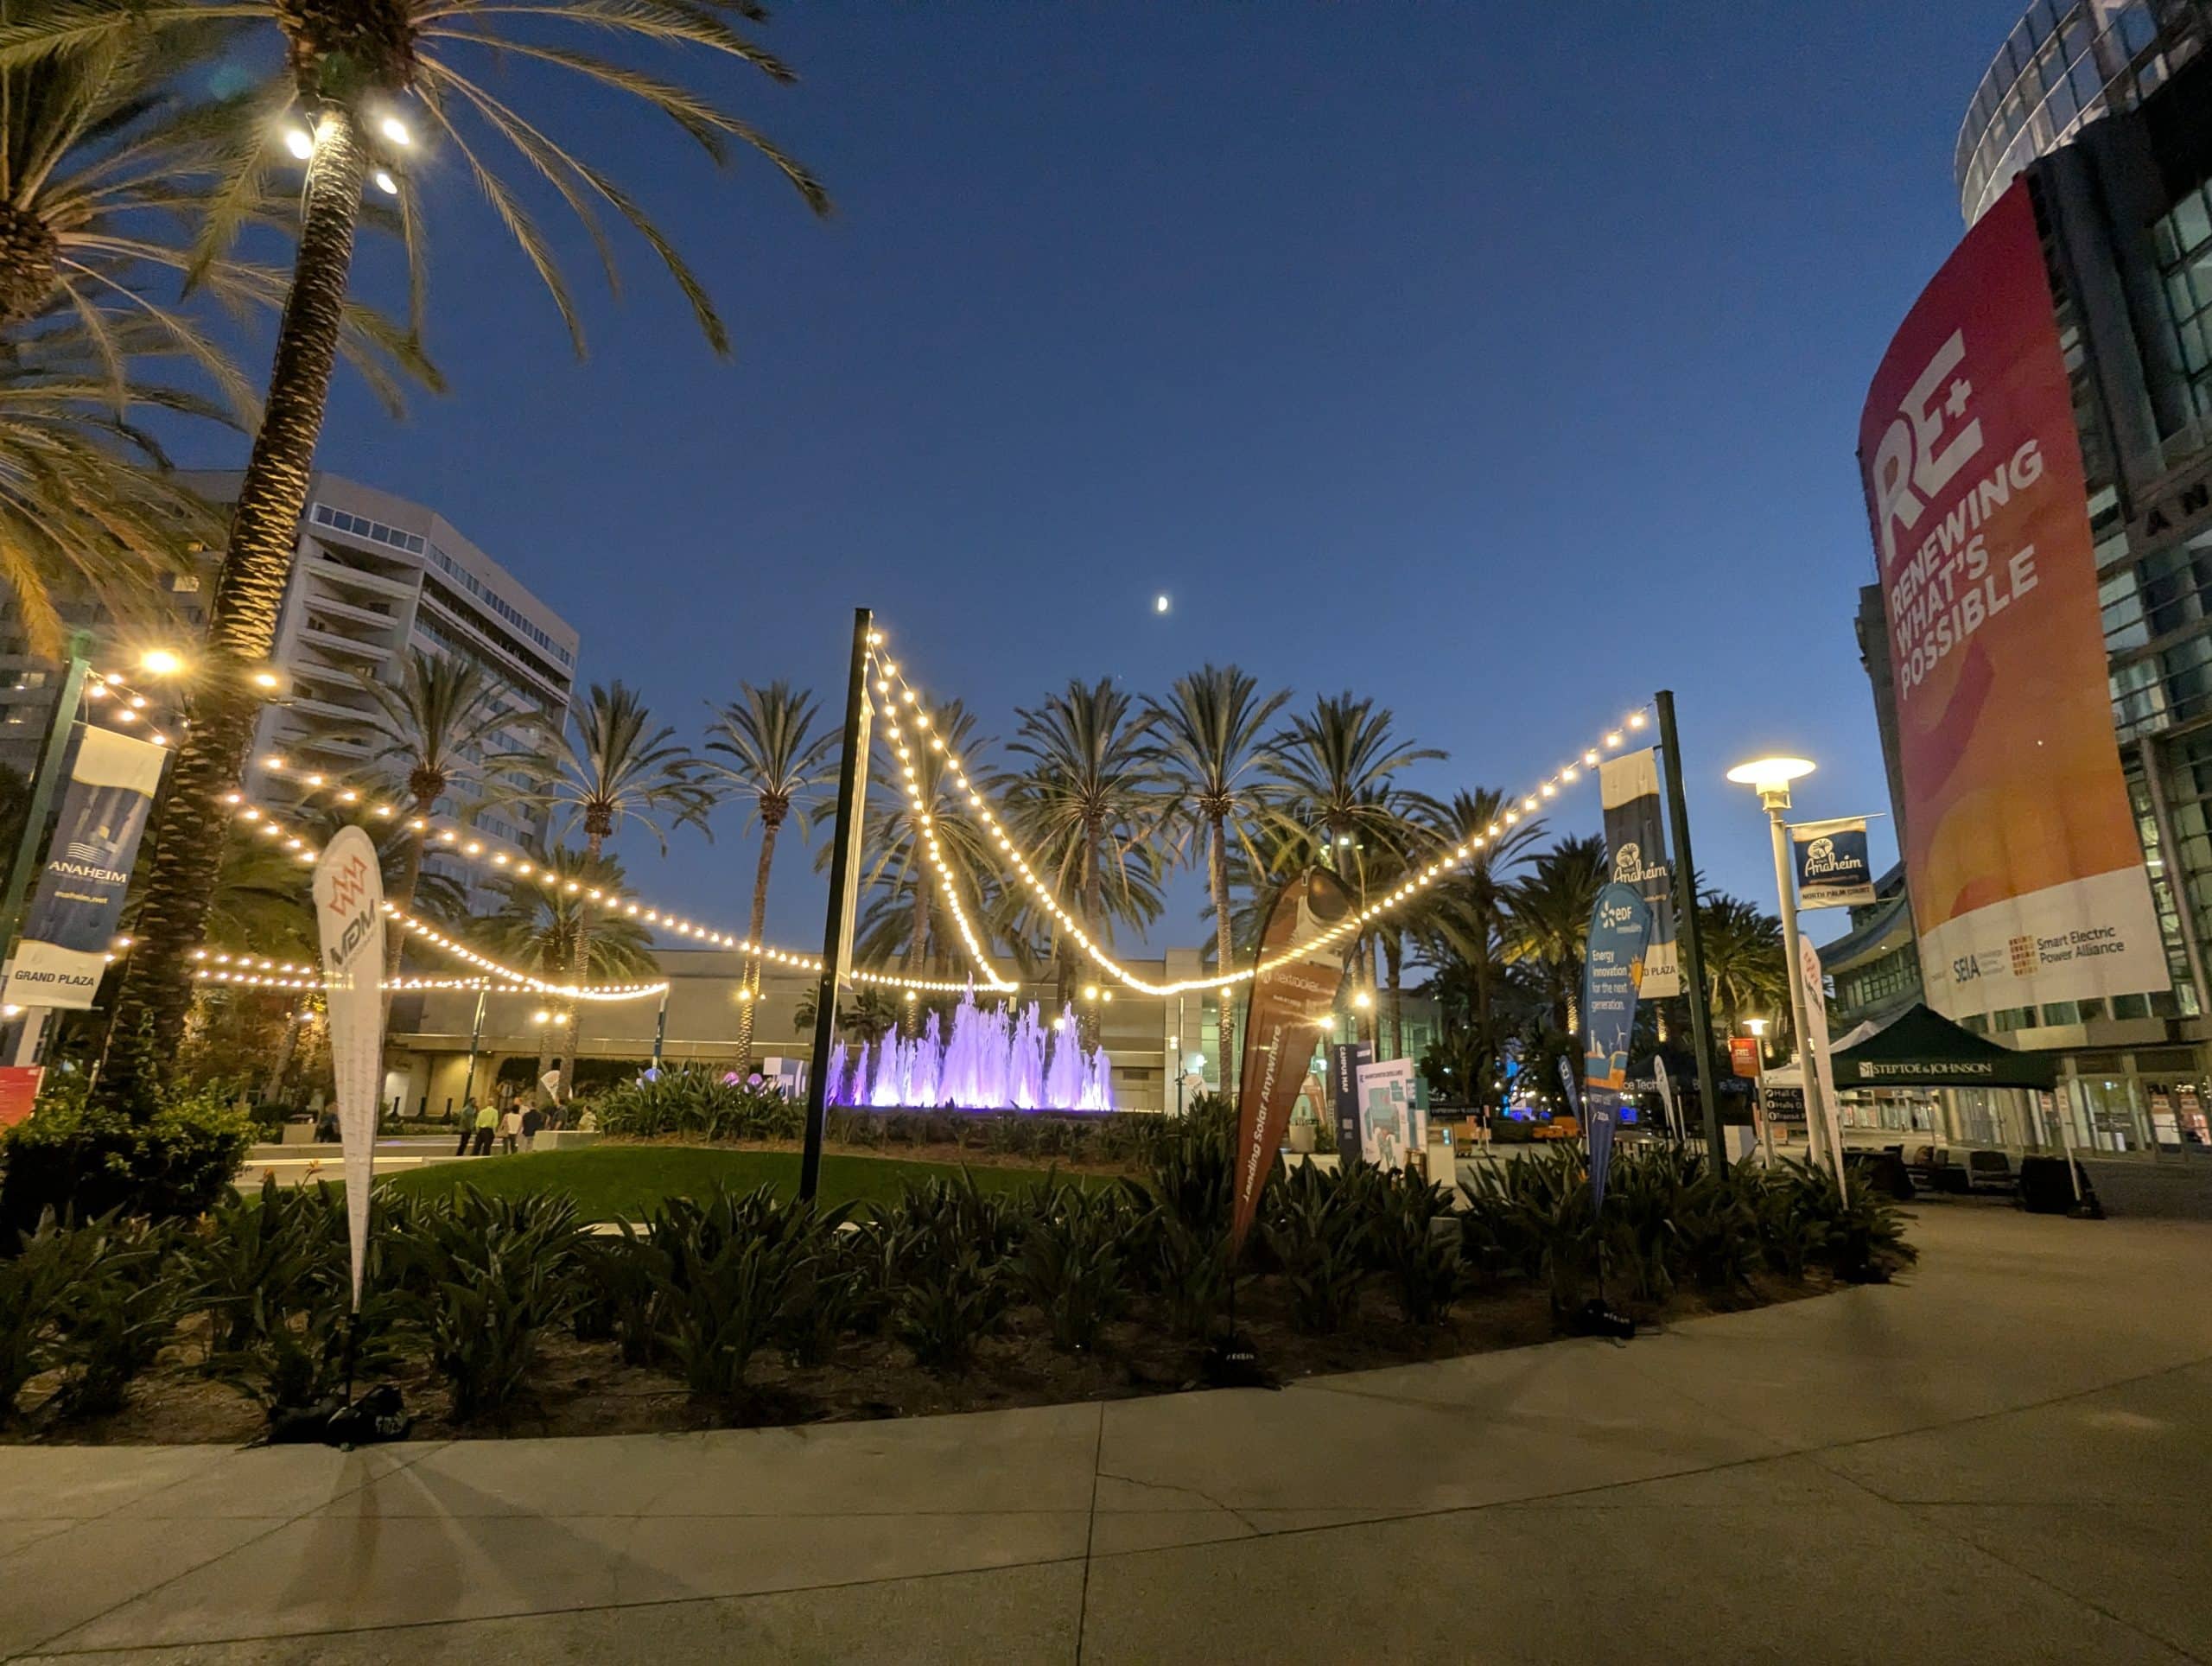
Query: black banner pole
(844,885)
(1678,819)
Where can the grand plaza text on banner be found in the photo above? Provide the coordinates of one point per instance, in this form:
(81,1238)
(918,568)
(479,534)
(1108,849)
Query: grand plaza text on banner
(2021,854)
(79,899)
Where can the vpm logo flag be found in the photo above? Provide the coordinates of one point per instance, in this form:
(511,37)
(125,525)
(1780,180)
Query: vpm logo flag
(349,917)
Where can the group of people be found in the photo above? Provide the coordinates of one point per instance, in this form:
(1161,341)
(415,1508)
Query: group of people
(515,1123)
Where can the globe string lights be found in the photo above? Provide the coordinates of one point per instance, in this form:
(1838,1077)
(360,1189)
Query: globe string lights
(453,840)
(898,696)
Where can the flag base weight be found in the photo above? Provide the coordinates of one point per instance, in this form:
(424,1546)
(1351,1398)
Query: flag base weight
(376,1416)
(1231,1362)
(1593,1317)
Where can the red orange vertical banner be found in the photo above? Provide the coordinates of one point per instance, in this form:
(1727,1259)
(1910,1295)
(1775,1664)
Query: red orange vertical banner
(2021,854)
(1293,1001)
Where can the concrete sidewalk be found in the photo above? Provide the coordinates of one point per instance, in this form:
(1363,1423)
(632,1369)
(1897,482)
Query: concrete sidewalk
(2005,1458)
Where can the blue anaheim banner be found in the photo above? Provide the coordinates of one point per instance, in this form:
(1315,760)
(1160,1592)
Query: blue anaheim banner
(1832,869)
(73,915)
(1635,844)
(1613,964)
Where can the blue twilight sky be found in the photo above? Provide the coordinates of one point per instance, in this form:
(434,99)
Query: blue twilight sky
(1502,362)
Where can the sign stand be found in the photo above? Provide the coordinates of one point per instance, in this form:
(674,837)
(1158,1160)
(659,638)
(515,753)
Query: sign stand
(844,891)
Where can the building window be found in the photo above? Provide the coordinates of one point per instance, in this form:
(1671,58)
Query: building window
(2182,240)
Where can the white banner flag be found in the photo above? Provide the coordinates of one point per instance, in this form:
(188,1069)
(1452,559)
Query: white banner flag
(349,912)
(1812,1048)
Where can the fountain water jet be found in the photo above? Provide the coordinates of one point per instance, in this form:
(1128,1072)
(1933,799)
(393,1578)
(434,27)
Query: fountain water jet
(996,1058)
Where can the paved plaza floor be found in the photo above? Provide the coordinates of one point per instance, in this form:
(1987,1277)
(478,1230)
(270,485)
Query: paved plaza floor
(2006,1457)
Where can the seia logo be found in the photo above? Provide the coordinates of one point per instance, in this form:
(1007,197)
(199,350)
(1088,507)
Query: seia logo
(1628,863)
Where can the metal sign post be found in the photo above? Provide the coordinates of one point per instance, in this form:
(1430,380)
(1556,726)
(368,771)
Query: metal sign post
(1693,953)
(844,890)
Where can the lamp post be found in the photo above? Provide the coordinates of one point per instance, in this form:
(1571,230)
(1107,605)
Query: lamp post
(475,1039)
(1770,778)
(1757,1027)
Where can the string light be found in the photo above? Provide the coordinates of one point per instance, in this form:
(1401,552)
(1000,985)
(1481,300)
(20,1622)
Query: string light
(1014,858)
(453,842)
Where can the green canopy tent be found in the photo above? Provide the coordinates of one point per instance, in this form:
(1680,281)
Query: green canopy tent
(1922,1049)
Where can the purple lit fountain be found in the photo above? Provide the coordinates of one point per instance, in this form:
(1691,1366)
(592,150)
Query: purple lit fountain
(997,1058)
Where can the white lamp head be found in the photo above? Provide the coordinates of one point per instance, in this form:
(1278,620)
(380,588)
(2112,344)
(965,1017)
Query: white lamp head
(1770,778)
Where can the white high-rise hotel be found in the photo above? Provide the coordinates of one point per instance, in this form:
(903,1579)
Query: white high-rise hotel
(377,577)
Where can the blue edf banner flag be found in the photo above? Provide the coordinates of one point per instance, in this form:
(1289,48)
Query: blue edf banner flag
(1832,869)
(1612,974)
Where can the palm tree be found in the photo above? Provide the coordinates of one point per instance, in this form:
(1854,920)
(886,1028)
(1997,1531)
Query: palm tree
(1089,805)
(901,922)
(442,728)
(1745,965)
(1210,728)
(106,159)
(1339,799)
(547,931)
(780,768)
(1468,920)
(358,72)
(1547,920)
(87,504)
(617,768)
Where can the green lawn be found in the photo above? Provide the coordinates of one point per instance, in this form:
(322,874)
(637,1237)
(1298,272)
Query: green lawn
(621,1182)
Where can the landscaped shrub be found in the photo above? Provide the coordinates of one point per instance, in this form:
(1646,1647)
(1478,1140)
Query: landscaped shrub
(1807,1220)
(1073,1262)
(273,1274)
(944,1309)
(33,1285)
(480,1278)
(82,1161)
(698,1103)
(1191,1171)
(250,1263)
(1186,1270)
(725,1271)
(1317,1225)
(1422,1267)
(1533,1215)
(116,1314)
(837,1293)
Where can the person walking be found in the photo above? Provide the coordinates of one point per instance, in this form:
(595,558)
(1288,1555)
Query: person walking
(468,1120)
(510,1130)
(487,1122)
(532,1119)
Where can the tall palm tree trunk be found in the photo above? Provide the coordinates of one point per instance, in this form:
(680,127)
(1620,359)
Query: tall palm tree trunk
(1093,913)
(188,843)
(580,967)
(402,897)
(281,1066)
(1224,952)
(769,828)
(917,953)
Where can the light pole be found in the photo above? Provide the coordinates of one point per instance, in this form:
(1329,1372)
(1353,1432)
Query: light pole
(1757,1027)
(1770,778)
(475,1038)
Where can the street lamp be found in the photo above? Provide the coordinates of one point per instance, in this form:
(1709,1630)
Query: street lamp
(161,661)
(1757,1027)
(1770,778)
